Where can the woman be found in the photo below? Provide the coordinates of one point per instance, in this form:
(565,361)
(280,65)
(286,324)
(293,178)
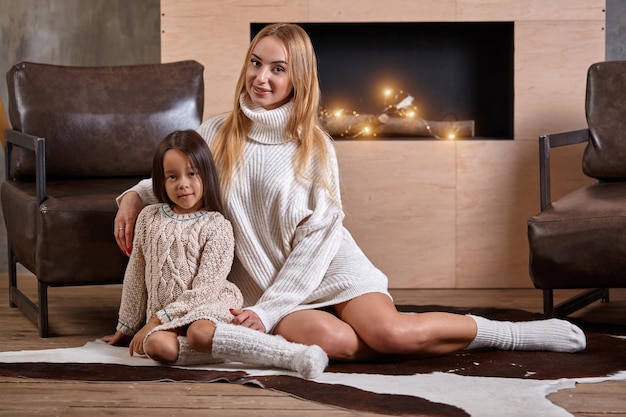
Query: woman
(301,273)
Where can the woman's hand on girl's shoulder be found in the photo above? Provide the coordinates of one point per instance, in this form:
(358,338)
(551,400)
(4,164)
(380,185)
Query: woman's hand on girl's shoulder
(125,219)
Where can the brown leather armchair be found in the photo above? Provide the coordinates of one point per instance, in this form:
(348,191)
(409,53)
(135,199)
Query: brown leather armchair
(579,241)
(80,136)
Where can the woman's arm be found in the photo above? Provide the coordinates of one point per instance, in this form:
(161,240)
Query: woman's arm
(314,244)
(132,314)
(130,203)
(303,271)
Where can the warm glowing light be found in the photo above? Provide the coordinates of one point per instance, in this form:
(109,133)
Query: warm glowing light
(399,105)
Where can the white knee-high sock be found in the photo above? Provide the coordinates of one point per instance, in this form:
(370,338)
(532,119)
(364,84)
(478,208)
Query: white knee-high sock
(241,344)
(189,356)
(551,335)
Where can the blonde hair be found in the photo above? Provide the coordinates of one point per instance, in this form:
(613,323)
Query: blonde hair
(303,124)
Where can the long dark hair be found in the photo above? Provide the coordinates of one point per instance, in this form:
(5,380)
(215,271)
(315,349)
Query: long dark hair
(193,145)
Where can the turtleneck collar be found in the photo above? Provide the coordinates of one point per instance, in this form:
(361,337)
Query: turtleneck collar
(268,126)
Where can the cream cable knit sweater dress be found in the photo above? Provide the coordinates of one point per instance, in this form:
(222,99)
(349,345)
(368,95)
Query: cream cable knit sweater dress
(178,269)
(292,251)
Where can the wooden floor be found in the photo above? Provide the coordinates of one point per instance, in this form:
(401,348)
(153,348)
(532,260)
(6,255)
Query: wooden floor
(82,314)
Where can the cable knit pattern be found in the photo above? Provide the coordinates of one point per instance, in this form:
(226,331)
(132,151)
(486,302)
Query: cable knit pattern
(178,270)
(292,251)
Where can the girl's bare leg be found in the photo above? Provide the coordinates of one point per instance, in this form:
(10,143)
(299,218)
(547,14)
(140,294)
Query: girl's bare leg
(162,346)
(224,341)
(200,335)
(181,347)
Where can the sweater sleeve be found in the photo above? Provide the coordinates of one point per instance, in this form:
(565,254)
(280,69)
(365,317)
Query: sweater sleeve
(132,314)
(303,270)
(144,189)
(208,284)
(316,241)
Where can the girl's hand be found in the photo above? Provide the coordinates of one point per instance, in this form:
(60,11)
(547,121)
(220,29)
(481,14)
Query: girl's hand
(114,339)
(136,345)
(247,318)
(124,224)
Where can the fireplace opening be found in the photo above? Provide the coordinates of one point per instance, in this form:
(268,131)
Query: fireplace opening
(422,80)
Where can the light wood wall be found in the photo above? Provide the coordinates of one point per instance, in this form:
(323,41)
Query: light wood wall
(430,214)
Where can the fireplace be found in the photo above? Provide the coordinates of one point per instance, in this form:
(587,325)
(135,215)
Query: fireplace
(417,81)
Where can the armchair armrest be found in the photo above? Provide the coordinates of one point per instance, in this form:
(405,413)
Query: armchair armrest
(547,142)
(38,146)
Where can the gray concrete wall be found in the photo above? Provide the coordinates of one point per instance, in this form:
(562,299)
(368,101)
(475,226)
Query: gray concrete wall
(615,30)
(75,32)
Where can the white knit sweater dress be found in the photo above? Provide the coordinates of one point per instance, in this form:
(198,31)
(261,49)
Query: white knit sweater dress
(292,251)
(178,270)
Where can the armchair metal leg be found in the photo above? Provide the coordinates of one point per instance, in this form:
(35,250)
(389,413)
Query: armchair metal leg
(43,310)
(548,303)
(12,274)
(37,314)
(605,297)
(574,303)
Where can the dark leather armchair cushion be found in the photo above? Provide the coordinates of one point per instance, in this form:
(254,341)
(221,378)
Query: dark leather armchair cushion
(605,106)
(74,242)
(580,240)
(101,121)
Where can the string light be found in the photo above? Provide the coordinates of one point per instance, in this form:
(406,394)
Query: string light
(400,112)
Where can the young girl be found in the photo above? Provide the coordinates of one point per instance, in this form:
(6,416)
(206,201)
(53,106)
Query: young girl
(176,299)
(300,271)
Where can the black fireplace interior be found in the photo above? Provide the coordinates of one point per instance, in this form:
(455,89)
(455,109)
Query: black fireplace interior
(455,71)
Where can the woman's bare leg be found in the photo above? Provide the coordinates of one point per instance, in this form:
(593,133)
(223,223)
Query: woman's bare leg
(375,318)
(376,321)
(316,327)
(370,325)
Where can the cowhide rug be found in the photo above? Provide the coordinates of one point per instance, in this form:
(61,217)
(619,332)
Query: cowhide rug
(469,383)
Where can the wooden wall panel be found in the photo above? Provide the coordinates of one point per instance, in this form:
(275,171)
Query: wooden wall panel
(497,191)
(400,207)
(381,11)
(430,214)
(551,61)
(530,10)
